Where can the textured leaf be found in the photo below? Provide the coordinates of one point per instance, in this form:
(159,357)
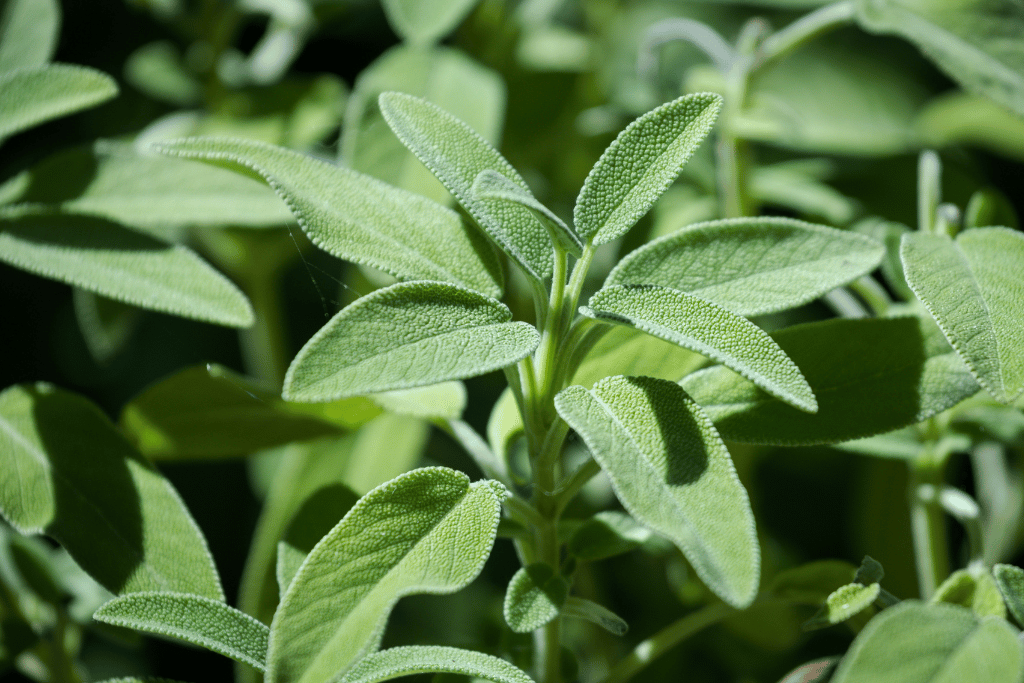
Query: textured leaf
(445,401)
(709,329)
(35,95)
(492,185)
(533,598)
(404,336)
(640,164)
(358,218)
(314,520)
(627,351)
(672,473)
(504,425)
(456,154)
(973,288)
(426,21)
(200,621)
(904,373)
(607,534)
(977,592)
(810,584)
(405,661)
(1011,584)
(595,613)
(845,602)
(428,531)
(917,643)
(70,474)
(752,266)
(29,30)
(105,258)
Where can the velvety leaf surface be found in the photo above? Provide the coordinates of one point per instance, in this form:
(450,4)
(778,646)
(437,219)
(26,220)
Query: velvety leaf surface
(973,287)
(752,266)
(426,21)
(445,401)
(405,661)
(69,473)
(200,621)
(1011,584)
(640,165)
(358,218)
(596,614)
(978,592)
(905,372)
(606,534)
(28,33)
(319,514)
(34,95)
(672,473)
(709,329)
(456,154)
(428,531)
(492,185)
(404,336)
(533,598)
(627,351)
(845,602)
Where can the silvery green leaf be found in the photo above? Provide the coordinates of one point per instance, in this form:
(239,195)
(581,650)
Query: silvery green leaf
(490,184)
(70,474)
(358,218)
(965,119)
(29,30)
(428,531)
(672,473)
(845,602)
(533,598)
(38,94)
(504,425)
(456,154)
(640,164)
(444,401)
(973,288)
(413,659)
(200,621)
(626,351)
(426,21)
(752,266)
(108,259)
(318,514)
(595,613)
(1011,584)
(607,534)
(289,559)
(708,329)
(408,335)
(977,591)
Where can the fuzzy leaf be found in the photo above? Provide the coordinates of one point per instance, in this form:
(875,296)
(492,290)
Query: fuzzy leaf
(69,473)
(34,95)
(200,621)
(979,593)
(1010,580)
(456,154)
(845,602)
(607,534)
(426,21)
(405,661)
(752,266)
(596,614)
(29,30)
(672,473)
(407,335)
(358,218)
(314,520)
(640,164)
(706,328)
(533,598)
(973,288)
(627,351)
(492,185)
(904,373)
(428,531)
(445,401)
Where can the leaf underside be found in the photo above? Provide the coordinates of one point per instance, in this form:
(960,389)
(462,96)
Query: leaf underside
(405,661)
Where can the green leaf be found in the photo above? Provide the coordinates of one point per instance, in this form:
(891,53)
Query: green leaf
(29,30)
(672,473)
(407,335)
(1010,580)
(35,95)
(534,596)
(200,621)
(752,266)
(456,154)
(607,534)
(975,591)
(405,661)
(973,289)
(960,118)
(70,474)
(595,613)
(810,584)
(845,602)
(314,520)
(902,444)
(108,259)
(504,425)
(426,21)
(917,643)
(904,373)
(445,401)
(709,329)
(106,325)
(358,218)
(492,185)
(626,351)
(428,531)
(816,671)
(640,164)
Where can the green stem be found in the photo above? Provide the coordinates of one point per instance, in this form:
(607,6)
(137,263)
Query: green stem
(872,293)
(576,481)
(928,522)
(804,29)
(264,350)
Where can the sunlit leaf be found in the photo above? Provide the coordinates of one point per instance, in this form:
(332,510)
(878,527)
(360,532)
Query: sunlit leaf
(844,603)
(625,351)
(533,598)
(34,95)
(492,185)
(582,608)
(405,661)
(314,520)
(426,21)
(445,401)
(29,30)
(1011,584)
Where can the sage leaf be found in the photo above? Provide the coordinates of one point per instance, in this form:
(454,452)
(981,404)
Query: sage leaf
(595,613)
(35,95)
(428,531)
(627,351)
(445,401)
(972,287)
(197,620)
(672,473)
(917,643)
(978,592)
(456,154)
(845,602)
(106,325)
(1010,580)
(358,218)
(752,266)
(709,329)
(29,30)
(408,335)
(426,21)
(504,425)
(492,185)
(314,520)
(607,534)
(69,473)
(414,659)
(640,164)
(534,597)
(905,373)
(108,259)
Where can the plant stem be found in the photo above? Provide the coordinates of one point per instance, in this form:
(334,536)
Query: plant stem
(872,293)
(804,29)
(263,344)
(928,522)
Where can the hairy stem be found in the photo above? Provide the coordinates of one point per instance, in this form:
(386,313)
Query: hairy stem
(928,522)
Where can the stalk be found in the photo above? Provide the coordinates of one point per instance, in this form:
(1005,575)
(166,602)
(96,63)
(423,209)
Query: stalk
(928,522)
(804,29)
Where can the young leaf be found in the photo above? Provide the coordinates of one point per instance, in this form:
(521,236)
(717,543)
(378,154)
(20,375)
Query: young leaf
(672,473)
(627,351)
(201,621)
(111,260)
(607,534)
(973,289)
(1011,584)
(408,335)
(492,185)
(34,95)
(845,602)
(358,218)
(595,613)
(69,473)
(456,154)
(640,165)
(905,372)
(977,592)
(426,21)
(534,596)
(428,531)
(414,659)
(709,329)
(810,584)
(28,33)
(752,266)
